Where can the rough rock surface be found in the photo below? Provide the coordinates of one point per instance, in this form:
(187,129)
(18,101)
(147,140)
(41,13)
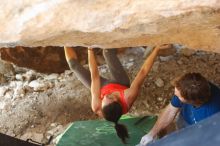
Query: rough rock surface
(42,59)
(35,105)
(111,23)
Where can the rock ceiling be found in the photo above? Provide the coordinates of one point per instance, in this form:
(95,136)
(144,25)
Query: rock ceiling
(111,23)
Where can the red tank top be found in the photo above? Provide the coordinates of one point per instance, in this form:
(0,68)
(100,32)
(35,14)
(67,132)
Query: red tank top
(112,87)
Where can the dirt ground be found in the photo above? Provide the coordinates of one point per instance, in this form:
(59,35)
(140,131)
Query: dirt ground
(35,105)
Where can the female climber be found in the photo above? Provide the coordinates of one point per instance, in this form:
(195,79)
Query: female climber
(111,98)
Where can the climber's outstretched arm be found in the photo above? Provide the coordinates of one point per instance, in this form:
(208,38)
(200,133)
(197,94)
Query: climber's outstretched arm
(95,83)
(132,92)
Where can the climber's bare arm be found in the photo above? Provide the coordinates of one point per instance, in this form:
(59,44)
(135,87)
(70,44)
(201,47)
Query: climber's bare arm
(95,83)
(132,92)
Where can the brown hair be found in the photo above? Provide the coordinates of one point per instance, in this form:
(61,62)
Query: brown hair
(194,88)
(113,112)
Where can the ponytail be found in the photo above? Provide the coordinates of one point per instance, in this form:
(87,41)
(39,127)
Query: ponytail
(113,112)
(122,132)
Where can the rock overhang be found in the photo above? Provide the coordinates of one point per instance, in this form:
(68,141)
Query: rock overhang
(110,24)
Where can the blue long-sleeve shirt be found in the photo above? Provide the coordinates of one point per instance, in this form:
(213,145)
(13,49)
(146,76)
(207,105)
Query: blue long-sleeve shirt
(192,114)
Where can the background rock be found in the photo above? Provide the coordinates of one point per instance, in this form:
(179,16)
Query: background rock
(159,82)
(42,59)
(6,68)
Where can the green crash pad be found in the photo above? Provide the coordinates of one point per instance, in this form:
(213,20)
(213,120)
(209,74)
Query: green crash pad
(102,133)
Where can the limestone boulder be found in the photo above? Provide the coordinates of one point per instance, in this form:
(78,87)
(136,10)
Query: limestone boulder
(111,23)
